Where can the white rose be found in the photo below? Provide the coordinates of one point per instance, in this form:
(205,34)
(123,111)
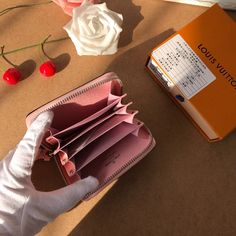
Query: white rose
(94,29)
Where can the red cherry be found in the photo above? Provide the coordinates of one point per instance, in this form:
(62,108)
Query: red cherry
(47,69)
(12,76)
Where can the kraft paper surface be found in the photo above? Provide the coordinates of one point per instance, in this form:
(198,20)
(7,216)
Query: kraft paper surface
(185,186)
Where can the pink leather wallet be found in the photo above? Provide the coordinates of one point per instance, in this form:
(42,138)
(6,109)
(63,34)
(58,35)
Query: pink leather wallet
(94,133)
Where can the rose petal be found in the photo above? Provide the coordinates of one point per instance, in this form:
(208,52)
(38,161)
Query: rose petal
(94,29)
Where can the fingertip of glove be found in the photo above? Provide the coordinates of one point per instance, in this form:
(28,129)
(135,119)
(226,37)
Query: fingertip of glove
(43,120)
(45,116)
(92,182)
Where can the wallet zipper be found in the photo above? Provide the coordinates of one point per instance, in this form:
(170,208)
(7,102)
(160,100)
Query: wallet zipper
(124,168)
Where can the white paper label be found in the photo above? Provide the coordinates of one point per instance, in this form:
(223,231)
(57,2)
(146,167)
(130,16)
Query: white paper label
(183,66)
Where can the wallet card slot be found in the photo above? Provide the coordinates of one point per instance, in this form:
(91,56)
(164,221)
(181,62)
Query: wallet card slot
(112,102)
(103,143)
(120,157)
(70,164)
(98,131)
(63,145)
(122,110)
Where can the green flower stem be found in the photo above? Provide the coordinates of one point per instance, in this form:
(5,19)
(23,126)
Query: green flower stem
(5,11)
(33,45)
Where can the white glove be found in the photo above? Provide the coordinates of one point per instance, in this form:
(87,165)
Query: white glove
(23,209)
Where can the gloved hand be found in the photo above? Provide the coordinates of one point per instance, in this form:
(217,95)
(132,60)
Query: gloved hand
(23,209)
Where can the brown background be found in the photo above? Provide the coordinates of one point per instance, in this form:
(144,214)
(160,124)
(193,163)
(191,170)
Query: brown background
(185,186)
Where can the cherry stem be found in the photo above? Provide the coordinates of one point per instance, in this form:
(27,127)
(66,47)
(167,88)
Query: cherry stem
(34,45)
(22,6)
(3,56)
(42,47)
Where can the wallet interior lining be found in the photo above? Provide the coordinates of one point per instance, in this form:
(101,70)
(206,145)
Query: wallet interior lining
(100,145)
(98,131)
(116,157)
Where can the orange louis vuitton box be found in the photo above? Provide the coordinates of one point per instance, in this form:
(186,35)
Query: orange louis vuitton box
(197,68)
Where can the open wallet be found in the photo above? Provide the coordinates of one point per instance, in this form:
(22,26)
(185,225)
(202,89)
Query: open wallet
(94,133)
